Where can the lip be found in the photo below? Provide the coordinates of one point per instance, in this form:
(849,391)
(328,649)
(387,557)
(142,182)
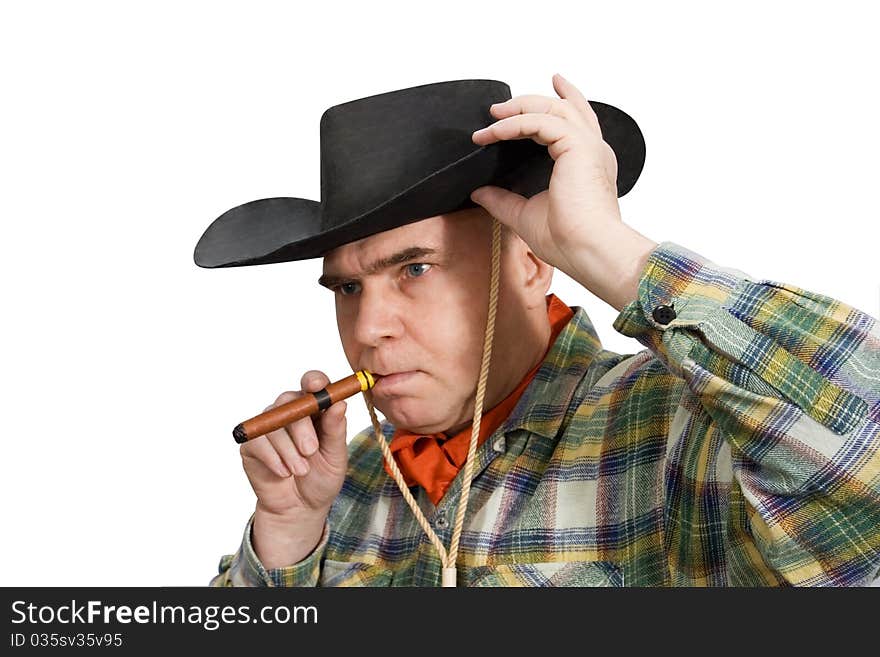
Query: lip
(395,382)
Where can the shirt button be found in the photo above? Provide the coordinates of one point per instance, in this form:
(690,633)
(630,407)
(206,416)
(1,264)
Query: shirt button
(663,314)
(440,521)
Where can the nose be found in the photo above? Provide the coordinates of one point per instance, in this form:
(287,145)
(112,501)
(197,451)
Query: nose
(378,318)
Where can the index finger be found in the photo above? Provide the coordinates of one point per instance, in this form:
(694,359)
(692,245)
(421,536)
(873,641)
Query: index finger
(536,104)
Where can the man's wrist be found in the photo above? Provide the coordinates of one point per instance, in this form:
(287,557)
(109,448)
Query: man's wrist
(284,540)
(611,267)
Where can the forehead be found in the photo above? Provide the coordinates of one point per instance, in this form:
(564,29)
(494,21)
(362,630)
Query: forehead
(443,233)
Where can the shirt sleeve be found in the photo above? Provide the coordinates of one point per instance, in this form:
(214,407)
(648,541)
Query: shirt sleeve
(790,379)
(245,569)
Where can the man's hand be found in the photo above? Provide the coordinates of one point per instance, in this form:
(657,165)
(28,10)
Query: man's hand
(575,225)
(296,472)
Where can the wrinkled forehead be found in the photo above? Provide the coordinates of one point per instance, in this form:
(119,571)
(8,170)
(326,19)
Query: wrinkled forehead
(442,233)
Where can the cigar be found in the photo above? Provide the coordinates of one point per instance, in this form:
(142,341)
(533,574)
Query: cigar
(308,404)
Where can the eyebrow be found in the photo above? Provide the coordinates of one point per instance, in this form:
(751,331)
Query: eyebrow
(406,255)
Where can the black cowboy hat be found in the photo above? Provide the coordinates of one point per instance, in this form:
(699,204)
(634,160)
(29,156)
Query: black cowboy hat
(395,158)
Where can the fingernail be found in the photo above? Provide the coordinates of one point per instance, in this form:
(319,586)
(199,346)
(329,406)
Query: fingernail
(310,446)
(301,468)
(283,471)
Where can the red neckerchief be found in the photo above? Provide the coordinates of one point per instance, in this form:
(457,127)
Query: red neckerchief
(433,460)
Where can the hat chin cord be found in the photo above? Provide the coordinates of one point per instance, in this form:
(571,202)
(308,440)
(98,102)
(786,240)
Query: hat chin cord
(448,558)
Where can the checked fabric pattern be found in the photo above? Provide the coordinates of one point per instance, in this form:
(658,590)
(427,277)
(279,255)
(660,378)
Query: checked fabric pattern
(740,447)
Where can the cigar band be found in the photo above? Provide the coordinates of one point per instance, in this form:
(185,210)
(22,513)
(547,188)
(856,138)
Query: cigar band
(323,399)
(366,379)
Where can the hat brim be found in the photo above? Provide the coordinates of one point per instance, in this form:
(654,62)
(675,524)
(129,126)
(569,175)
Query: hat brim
(285,229)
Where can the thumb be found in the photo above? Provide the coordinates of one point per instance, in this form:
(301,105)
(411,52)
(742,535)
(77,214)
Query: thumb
(504,205)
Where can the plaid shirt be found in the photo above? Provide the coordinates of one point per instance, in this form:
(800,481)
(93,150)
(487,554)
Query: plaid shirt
(741,448)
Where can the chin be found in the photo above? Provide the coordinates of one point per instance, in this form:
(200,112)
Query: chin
(412,414)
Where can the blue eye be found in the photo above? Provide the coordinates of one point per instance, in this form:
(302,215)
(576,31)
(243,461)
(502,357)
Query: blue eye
(347,288)
(417,269)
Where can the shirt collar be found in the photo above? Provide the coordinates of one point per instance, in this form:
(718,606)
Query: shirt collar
(545,402)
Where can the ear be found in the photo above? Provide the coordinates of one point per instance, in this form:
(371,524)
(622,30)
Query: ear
(533,275)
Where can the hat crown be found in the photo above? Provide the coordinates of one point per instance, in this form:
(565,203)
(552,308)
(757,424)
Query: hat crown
(379,146)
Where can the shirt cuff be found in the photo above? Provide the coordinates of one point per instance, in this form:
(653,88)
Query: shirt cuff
(678,288)
(246,569)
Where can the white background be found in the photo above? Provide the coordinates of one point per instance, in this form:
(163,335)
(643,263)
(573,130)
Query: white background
(128,127)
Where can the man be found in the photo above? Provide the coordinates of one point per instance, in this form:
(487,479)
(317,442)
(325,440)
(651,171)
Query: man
(741,448)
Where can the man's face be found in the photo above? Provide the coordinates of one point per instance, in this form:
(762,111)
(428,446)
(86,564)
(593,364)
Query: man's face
(411,304)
